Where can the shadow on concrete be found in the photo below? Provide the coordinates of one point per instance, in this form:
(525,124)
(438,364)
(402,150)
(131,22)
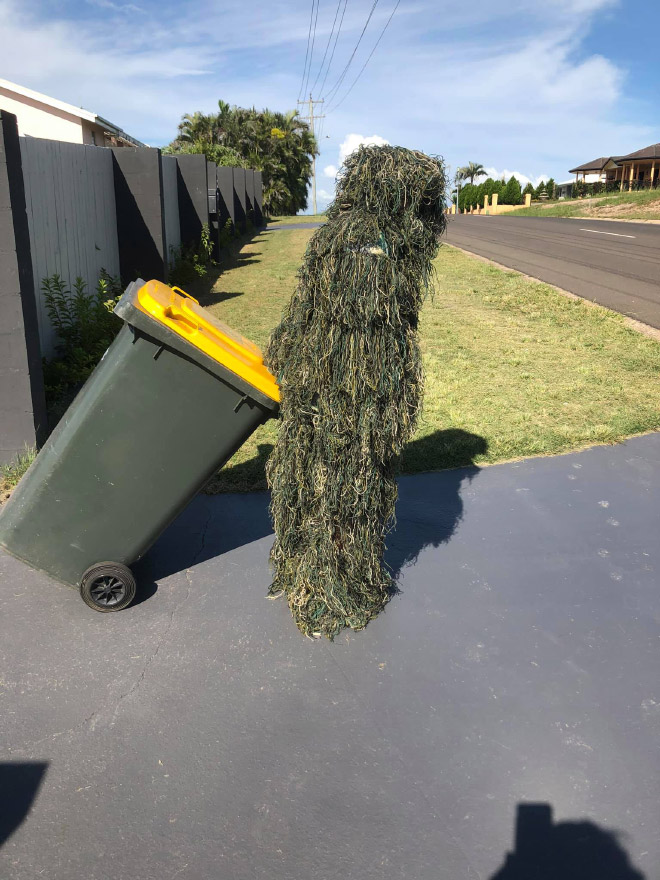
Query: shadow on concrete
(430,518)
(563,851)
(427,513)
(19,784)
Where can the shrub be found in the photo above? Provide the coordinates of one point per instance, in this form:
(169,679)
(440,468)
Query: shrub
(512,193)
(192,261)
(85,326)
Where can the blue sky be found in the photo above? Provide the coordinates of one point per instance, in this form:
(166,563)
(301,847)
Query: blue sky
(531,86)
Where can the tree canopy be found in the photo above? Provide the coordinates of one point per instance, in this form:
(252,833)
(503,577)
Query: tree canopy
(470,171)
(278,144)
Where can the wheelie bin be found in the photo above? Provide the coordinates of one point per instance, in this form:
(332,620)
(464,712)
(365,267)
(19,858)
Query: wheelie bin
(172,399)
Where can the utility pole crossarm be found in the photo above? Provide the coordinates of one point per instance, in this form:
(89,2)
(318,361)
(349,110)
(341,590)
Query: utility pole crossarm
(311,117)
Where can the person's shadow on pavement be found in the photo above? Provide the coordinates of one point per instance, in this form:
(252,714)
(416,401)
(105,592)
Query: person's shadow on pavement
(563,851)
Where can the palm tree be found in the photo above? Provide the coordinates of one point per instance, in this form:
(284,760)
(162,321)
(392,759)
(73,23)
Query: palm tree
(470,171)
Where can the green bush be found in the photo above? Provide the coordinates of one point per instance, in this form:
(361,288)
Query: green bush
(226,235)
(85,326)
(188,263)
(512,193)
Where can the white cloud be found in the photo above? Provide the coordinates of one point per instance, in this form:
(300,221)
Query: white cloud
(511,85)
(330,171)
(353,141)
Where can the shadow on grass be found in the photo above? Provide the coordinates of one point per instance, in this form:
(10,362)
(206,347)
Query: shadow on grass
(231,257)
(451,448)
(428,511)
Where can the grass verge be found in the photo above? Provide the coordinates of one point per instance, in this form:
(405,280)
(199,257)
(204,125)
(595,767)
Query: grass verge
(298,218)
(11,473)
(644,205)
(513,367)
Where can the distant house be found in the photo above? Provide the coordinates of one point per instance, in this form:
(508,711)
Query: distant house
(43,117)
(564,190)
(638,170)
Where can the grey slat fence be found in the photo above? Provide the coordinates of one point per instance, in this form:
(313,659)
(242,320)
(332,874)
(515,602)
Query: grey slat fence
(73,210)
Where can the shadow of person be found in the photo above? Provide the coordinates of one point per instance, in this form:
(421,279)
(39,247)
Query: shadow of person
(19,784)
(429,511)
(563,851)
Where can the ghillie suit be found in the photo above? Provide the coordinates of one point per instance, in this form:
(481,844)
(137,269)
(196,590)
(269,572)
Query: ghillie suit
(347,359)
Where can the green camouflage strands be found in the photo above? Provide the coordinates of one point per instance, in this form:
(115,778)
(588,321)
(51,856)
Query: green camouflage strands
(348,362)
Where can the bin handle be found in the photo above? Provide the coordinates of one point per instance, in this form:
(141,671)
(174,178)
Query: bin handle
(175,315)
(183,293)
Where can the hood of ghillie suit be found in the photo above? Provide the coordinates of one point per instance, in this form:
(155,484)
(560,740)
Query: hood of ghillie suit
(348,363)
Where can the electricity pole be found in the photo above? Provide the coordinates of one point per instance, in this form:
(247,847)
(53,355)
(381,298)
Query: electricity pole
(311,117)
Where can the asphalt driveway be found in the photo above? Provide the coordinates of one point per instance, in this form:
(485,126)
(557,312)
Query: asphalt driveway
(500,720)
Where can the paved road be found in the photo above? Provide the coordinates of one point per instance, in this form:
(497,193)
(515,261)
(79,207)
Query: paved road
(199,735)
(614,264)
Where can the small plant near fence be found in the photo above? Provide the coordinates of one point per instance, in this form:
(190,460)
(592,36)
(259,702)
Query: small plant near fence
(189,263)
(85,325)
(11,473)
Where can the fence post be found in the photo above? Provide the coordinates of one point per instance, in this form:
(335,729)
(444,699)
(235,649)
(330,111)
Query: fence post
(23,421)
(225,196)
(249,196)
(239,199)
(494,200)
(258,199)
(193,196)
(212,192)
(138,177)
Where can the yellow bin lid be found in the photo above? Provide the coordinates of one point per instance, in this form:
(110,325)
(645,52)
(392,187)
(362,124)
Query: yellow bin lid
(180,312)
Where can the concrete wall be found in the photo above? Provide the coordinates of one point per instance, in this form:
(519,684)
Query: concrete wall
(70,202)
(22,403)
(171,206)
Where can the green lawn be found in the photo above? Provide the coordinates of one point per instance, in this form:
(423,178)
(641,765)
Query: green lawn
(513,368)
(643,205)
(298,218)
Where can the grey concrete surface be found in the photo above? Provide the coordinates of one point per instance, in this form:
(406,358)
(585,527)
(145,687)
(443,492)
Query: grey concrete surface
(614,264)
(198,735)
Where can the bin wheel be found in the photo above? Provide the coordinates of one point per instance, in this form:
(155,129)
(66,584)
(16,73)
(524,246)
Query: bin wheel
(107,586)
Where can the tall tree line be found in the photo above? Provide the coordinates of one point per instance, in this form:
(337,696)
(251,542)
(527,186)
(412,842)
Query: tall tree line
(280,145)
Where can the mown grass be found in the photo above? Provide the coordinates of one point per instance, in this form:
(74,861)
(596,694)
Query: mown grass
(644,205)
(513,367)
(298,218)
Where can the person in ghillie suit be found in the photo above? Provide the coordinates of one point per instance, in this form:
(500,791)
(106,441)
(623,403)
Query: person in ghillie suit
(347,360)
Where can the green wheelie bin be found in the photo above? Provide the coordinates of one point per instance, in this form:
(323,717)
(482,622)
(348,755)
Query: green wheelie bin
(172,399)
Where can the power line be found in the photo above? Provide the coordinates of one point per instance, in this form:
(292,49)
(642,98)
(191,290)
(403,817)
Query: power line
(311,51)
(309,37)
(327,46)
(333,91)
(311,118)
(341,101)
(332,54)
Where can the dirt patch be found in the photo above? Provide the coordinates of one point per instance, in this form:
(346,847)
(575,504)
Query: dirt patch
(626,208)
